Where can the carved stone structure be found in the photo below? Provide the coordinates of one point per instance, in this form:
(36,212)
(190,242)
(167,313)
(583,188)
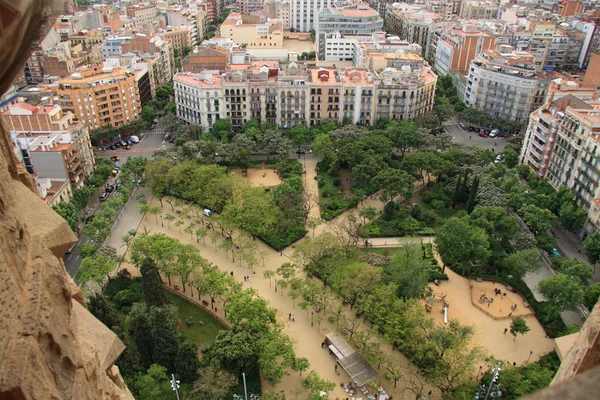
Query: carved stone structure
(51,347)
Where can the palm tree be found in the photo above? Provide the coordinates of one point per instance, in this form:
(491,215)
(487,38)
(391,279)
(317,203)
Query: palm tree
(169,218)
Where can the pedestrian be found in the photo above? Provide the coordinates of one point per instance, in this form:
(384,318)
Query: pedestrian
(289,323)
(322,344)
(281,253)
(469,136)
(293,318)
(231,273)
(289,316)
(514,363)
(429,393)
(335,368)
(254,273)
(505,330)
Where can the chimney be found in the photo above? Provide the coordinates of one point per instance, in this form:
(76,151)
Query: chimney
(595,95)
(568,104)
(561,107)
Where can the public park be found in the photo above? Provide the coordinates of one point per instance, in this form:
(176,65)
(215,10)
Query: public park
(323,276)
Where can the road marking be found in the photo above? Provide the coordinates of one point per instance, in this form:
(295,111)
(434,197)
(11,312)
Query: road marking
(70,255)
(77,257)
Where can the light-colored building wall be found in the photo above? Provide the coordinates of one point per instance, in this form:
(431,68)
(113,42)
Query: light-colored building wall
(305,13)
(253,32)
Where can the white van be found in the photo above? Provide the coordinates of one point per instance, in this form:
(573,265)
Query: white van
(134,139)
(207,212)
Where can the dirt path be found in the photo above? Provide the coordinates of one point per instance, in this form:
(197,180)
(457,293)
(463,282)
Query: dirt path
(307,338)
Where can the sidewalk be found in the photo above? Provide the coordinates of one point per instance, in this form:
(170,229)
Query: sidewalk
(568,243)
(129,219)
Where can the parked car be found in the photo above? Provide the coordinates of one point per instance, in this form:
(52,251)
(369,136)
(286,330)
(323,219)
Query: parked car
(172,140)
(152,126)
(118,185)
(114,158)
(155,121)
(462,126)
(134,139)
(494,133)
(109,188)
(104,196)
(89,219)
(112,147)
(303,151)
(128,142)
(127,147)
(482,133)
(207,212)
(118,145)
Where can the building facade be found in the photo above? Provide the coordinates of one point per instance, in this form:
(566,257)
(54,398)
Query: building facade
(53,144)
(474,9)
(145,16)
(505,83)
(279,10)
(412,27)
(288,94)
(100,96)
(253,32)
(304,13)
(456,48)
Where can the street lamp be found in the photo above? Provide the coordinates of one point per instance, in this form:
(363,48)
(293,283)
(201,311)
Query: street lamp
(530,353)
(479,373)
(175,385)
(493,391)
(311,318)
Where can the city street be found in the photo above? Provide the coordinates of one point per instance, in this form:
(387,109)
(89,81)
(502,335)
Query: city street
(129,217)
(471,138)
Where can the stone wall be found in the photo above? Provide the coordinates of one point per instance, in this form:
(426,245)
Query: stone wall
(51,347)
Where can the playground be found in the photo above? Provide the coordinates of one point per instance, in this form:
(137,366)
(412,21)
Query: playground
(264,177)
(455,299)
(497,300)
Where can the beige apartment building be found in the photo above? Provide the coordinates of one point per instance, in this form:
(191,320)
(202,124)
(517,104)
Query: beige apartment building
(253,32)
(179,38)
(290,93)
(53,145)
(477,9)
(414,27)
(100,96)
(145,16)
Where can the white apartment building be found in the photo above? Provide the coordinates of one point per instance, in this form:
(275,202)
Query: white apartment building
(504,83)
(304,13)
(334,23)
(145,16)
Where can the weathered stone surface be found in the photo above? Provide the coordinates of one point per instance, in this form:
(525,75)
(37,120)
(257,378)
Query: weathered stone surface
(51,347)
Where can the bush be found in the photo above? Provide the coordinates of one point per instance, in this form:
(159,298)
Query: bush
(124,299)
(321,182)
(438,204)
(337,181)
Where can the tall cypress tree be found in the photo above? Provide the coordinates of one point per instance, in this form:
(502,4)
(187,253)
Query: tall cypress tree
(472,195)
(140,326)
(163,321)
(456,194)
(153,287)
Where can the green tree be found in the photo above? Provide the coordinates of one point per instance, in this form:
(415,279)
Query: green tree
(102,309)
(524,240)
(154,385)
(315,385)
(518,325)
(369,213)
(393,182)
(537,218)
(511,158)
(572,217)
(562,291)
(408,270)
(69,213)
(256,219)
(154,291)
(186,362)
(591,295)
(405,136)
(148,113)
(462,245)
(496,221)
(163,323)
(472,195)
(215,383)
(140,328)
(97,268)
(591,248)
(519,263)
(580,271)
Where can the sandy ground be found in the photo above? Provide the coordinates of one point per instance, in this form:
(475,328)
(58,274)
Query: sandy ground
(307,338)
(502,304)
(489,333)
(259,176)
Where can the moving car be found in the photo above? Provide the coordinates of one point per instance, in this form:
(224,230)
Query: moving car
(114,158)
(114,172)
(71,249)
(127,147)
(109,188)
(207,212)
(155,121)
(104,196)
(117,165)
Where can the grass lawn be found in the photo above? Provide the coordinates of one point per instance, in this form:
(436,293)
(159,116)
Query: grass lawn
(197,334)
(388,252)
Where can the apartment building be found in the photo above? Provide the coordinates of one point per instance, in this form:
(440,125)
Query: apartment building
(87,38)
(100,96)
(290,93)
(34,66)
(279,9)
(456,48)
(333,23)
(9,98)
(253,32)
(179,38)
(414,27)
(206,58)
(571,156)
(474,9)
(381,6)
(304,13)
(248,6)
(505,83)
(145,16)
(52,144)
